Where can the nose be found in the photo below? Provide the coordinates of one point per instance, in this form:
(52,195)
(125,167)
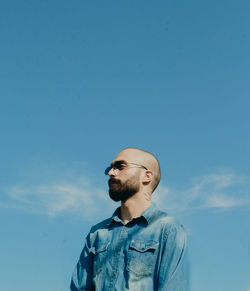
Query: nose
(111,172)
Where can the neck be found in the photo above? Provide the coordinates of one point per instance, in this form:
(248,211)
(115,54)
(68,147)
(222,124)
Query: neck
(134,206)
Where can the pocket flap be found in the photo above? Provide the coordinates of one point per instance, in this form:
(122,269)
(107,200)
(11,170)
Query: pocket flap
(144,246)
(100,247)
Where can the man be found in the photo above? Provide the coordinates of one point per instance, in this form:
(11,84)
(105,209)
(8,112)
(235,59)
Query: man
(139,248)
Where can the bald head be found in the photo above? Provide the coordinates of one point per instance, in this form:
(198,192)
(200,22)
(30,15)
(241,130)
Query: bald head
(144,158)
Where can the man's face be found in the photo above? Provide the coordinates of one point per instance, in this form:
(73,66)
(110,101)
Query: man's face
(124,181)
(121,190)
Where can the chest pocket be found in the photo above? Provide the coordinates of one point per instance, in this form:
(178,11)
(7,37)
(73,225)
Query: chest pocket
(100,256)
(142,257)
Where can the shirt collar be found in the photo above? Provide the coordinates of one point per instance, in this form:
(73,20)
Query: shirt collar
(116,215)
(147,214)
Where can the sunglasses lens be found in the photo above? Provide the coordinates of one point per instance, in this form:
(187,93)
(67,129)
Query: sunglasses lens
(107,170)
(117,165)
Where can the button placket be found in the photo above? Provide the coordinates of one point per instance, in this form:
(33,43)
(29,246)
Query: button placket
(121,242)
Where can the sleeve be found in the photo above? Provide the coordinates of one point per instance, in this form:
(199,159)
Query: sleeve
(83,272)
(174,266)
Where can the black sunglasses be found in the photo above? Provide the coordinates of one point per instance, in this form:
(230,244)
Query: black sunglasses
(120,165)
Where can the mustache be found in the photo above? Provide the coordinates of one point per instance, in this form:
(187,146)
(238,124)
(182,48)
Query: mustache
(114,181)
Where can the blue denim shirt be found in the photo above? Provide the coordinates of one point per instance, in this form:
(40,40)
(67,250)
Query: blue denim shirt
(148,253)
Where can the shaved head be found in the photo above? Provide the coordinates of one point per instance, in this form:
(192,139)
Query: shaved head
(144,158)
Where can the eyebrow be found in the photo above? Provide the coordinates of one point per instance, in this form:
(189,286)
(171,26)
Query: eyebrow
(119,161)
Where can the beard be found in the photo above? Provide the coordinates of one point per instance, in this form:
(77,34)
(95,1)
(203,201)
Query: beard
(119,191)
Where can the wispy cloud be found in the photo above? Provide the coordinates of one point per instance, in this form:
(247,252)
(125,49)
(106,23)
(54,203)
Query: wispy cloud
(220,190)
(59,198)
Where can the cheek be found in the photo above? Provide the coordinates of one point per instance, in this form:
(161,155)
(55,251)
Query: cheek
(141,177)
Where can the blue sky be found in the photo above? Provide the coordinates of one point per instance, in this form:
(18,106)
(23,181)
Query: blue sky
(80,80)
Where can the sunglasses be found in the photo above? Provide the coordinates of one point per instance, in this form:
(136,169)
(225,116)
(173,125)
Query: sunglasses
(120,165)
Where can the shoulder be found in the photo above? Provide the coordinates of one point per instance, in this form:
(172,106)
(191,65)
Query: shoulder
(99,230)
(104,224)
(169,224)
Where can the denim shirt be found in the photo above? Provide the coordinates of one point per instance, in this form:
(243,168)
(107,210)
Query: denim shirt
(148,253)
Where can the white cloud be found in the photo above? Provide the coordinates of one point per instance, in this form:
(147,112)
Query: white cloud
(221,190)
(223,201)
(56,199)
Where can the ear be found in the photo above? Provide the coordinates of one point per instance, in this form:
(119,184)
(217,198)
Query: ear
(147,178)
